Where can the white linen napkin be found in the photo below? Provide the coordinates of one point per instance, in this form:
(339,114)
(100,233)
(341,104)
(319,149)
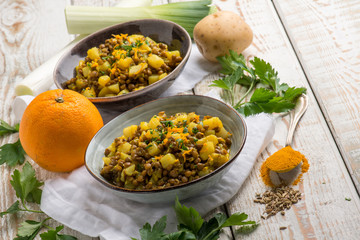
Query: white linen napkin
(83,204)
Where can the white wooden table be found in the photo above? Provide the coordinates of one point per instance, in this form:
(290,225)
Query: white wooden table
(311,43)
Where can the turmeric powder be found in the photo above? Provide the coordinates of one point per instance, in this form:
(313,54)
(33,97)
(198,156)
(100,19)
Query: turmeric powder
(282,161)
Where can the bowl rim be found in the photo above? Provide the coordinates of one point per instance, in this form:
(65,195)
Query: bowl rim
(180,186)
(146,88)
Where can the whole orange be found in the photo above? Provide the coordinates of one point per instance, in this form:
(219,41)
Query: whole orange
(57,127)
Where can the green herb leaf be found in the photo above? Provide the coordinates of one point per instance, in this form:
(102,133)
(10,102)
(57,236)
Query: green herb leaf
(237,219)
(292,94)
(348,199)
(246,229)
(54,235)
(26,185)
(265,100)
(266,73)
(12,154)
(183,234)
(5,128)
(127,47)
(29,229)
(167,123)
(154,233)
(188,217)
(12,209)
(211,229)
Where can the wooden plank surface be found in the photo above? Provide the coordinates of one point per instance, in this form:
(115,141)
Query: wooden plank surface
(32,31)
(327,183)
(326,38)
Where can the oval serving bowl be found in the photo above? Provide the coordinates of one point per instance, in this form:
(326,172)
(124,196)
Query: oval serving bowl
(201,105)
(163,31)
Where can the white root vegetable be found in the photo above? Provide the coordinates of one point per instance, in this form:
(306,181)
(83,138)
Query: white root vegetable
(41,78)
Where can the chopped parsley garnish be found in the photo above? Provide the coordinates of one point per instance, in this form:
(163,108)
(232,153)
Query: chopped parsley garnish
(195,130)
(167,123)
(185,130)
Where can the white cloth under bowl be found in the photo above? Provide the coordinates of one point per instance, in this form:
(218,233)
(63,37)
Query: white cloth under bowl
(83,204)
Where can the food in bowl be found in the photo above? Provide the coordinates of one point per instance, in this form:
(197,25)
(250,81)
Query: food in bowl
(122,64)
(166,151)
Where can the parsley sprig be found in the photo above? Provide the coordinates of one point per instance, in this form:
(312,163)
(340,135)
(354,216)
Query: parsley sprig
(11,153)
(193,227)
(272,97)
(27,189)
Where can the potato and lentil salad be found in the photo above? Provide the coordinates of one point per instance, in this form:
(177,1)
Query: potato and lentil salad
(166,151)
(121,65)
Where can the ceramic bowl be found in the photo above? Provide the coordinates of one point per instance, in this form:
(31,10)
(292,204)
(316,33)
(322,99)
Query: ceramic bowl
(163,31)
(201,105)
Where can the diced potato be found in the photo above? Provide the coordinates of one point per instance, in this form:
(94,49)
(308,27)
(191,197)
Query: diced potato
(110,95)
(223,133)
(191,127)
(153,150)
(154,122)
(137,69)
(103,67)
(176,136)
(114,88)
(156,176)
(144,126)
(122,176)
(85,71)
(124,63)
(112,149)
(135,37)
(150,134)
(169,54)
(219,159)
(153,78)
(124,147)
(89,92)
(155,61)
(125,91)
(145,47)
(168,160)
(138,88)
(191,117)
(150,41)
(103,80)
(204,171)
(209,132)
(130,170)
(213,122)
(104,91)
(180,119)
(80,83)
(72,86)
(106,160)
(124,156)
(211,138)
(206,150)
(162,76)
(93,53)
(129,132)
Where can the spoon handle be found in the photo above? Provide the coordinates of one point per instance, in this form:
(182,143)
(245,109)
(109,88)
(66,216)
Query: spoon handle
(295,115)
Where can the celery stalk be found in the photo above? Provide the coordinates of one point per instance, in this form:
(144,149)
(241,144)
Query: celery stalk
(85,20)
